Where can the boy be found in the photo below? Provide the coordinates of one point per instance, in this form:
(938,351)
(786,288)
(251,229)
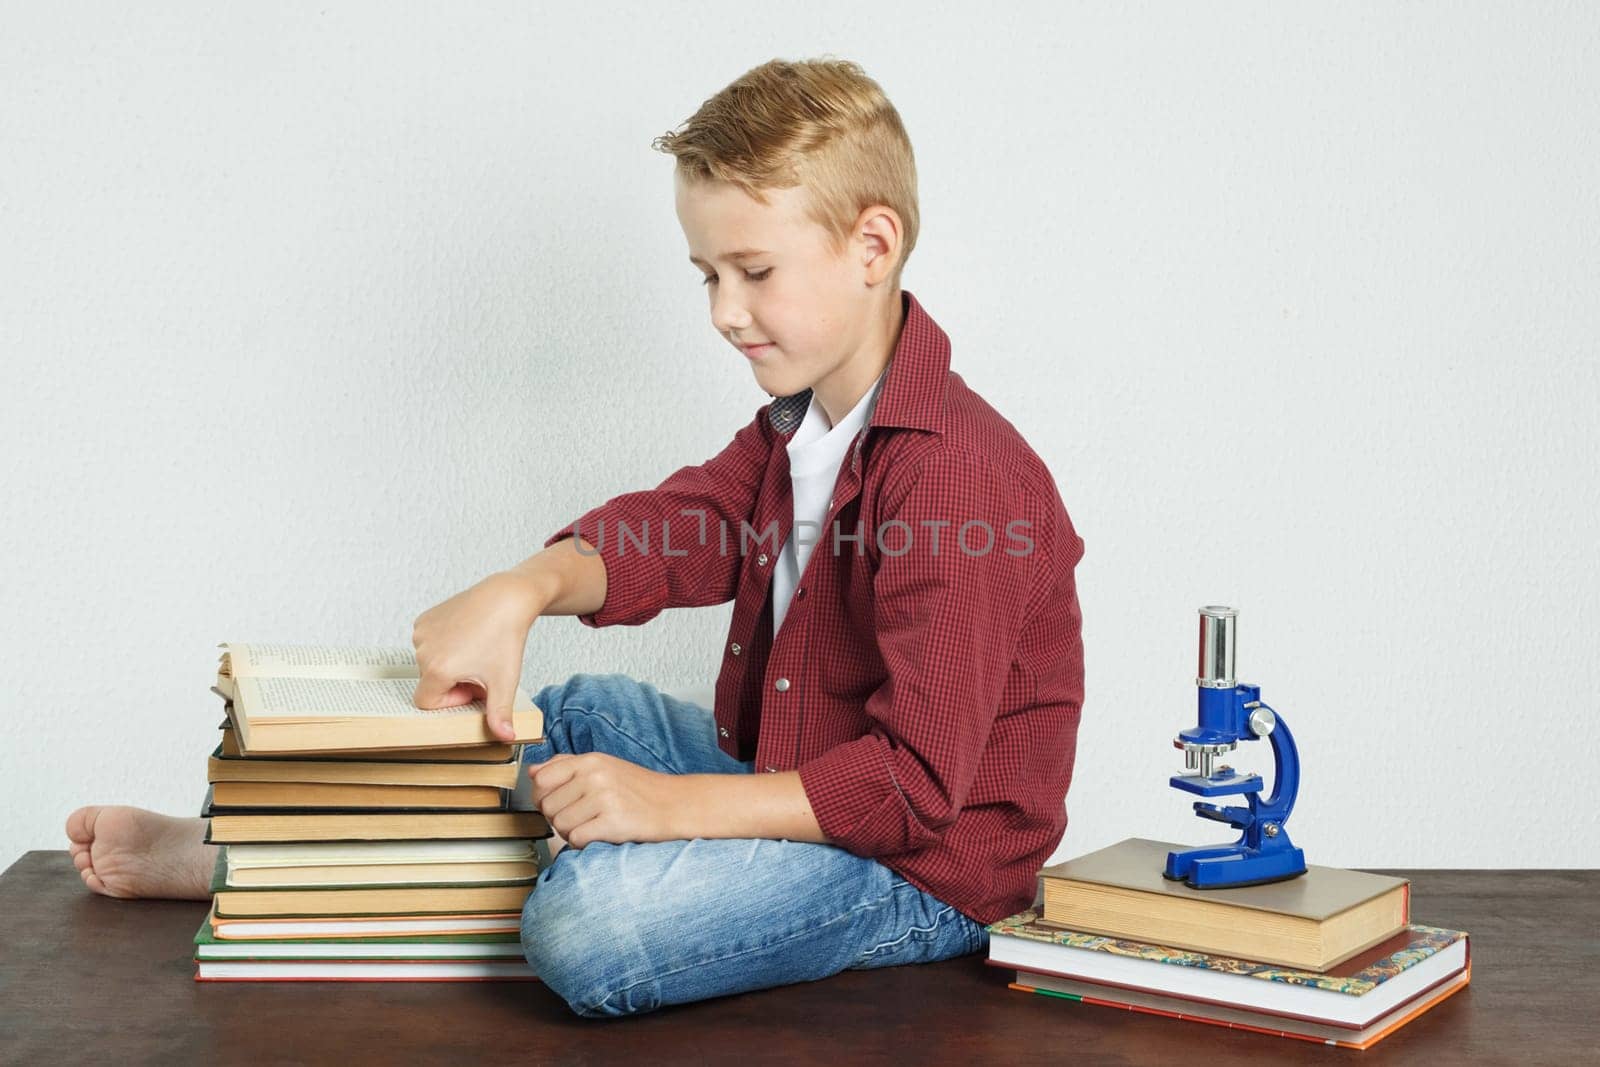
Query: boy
(895,720)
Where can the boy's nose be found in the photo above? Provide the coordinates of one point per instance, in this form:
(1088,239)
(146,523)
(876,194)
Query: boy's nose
(728,316)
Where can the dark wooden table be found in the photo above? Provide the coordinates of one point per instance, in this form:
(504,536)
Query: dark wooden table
(87,979)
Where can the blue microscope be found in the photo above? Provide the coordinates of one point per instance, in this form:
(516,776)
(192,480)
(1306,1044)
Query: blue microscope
(1229,713)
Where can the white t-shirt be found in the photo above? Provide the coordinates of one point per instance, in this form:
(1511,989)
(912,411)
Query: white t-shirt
(816,451)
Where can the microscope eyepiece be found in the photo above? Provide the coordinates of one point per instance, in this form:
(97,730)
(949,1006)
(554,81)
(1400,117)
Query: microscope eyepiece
(1217,624)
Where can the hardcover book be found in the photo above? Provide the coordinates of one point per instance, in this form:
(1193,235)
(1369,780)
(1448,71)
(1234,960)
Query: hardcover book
(1310,922)
(1395,974)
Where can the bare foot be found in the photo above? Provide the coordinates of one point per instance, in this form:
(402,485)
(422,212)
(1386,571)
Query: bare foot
(131,852)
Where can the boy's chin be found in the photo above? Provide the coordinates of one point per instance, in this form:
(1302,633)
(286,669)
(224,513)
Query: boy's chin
(777,384)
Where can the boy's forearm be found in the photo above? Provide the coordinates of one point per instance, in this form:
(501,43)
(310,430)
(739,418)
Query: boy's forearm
(568,578)
(748,805)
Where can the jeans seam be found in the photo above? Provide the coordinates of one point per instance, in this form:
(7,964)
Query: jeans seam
(616,728)
(808,931)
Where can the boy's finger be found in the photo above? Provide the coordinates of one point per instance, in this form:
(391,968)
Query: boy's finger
(434,692)
(553,779)
(533,768)
(497,710)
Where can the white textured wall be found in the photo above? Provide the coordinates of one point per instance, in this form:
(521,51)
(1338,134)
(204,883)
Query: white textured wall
(312,315)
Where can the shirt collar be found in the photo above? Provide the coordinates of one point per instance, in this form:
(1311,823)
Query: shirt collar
(814,426)
(914,382)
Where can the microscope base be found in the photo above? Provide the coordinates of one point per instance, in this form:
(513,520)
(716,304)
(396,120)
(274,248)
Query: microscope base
(1230,867)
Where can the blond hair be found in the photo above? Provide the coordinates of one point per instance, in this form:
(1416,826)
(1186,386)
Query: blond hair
(818,123)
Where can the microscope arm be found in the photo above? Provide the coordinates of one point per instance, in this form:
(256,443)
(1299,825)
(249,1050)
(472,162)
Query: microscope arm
(1286,772)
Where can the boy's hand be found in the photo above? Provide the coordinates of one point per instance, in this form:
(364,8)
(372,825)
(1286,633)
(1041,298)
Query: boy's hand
(593,796)
(471,645)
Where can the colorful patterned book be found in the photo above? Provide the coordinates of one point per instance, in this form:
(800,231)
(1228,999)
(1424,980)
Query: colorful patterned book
(1234,1018)
(1398,974)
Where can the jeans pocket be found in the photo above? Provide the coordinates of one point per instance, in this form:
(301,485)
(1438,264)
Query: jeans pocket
(920,929)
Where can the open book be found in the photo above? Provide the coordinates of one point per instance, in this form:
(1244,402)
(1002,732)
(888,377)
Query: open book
(314,698)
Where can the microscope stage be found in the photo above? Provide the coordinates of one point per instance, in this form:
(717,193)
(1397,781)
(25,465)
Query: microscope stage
(1217,785)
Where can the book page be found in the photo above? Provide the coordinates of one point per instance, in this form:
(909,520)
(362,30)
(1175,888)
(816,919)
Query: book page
(341,698)
(346,698)
(320,661)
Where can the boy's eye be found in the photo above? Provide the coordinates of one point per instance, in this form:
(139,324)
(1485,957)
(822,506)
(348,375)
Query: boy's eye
(754,276)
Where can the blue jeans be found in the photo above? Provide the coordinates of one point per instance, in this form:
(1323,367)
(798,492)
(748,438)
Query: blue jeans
(624,929)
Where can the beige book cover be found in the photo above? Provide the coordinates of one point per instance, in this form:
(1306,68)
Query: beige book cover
(1137,864)
(497,753)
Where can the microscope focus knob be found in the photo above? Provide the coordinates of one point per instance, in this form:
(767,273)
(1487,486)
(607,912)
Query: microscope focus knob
(1262,722)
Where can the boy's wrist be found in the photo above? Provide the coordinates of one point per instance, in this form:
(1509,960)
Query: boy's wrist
(533,587)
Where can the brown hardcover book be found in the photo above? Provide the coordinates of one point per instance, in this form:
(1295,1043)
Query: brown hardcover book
(380,826)
(220,768)
(363,927)
(499,752)
(309,698)
(1312,922)
(373,876)
(412,900)
(406,900)
(347,795)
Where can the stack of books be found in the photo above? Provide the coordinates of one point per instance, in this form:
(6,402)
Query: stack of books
(1330,956)
(362,838)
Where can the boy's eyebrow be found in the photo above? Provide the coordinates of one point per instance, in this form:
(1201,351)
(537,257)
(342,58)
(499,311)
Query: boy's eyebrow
(743,253)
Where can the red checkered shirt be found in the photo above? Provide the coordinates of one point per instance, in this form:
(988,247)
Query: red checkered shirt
(927,679)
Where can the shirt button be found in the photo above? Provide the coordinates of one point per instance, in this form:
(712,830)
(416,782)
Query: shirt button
(734,648)
(761,560)
(800,594)
(723,730)
(781,685)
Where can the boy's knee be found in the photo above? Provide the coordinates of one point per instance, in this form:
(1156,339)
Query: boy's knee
(550,697)
(582,689)
(563,927)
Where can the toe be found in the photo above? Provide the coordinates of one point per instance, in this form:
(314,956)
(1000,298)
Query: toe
(81,859)
(80,824)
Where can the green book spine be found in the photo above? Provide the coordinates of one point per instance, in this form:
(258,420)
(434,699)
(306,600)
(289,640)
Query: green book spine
(219,873)
(1055,993)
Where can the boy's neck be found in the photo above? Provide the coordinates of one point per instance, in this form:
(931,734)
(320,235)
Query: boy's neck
(842,390)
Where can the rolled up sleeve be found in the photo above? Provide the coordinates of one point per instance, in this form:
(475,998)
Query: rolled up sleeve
(947,620)
(664,547)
